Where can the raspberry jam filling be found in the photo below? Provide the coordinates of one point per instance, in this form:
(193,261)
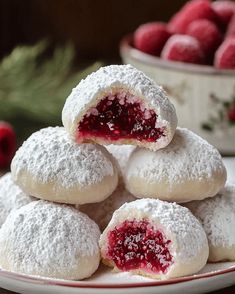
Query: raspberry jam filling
(137,245)
(120,116)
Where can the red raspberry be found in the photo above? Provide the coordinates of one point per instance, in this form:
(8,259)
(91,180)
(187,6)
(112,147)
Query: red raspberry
(225,10)
(7,144)
(231,27)
(183,48)
(151,37)
(225,54)
(192,10)
(207,33)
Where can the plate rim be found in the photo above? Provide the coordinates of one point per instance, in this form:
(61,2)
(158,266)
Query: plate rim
(83,284)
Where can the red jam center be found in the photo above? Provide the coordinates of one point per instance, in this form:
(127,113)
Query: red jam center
(137,245)
(120,116)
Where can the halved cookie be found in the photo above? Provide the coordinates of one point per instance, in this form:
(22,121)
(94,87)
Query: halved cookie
(119,104)
(154,238)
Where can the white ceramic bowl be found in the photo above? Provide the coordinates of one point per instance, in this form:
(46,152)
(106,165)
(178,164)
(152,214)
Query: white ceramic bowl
(202,95)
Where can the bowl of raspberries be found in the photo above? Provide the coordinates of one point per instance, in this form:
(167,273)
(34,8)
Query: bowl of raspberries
(193,58)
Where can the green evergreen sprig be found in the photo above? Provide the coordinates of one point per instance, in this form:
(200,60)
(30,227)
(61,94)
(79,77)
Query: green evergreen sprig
(32,93)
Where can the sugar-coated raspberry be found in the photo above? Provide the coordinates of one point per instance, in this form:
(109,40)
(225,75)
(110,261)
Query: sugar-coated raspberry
(225,54)
(7,144)
(151,37)
(207,33)
(231,27)
(183,48)
(225,10)
(192,10)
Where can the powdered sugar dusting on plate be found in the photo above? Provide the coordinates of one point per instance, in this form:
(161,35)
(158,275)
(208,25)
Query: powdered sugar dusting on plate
(50,156)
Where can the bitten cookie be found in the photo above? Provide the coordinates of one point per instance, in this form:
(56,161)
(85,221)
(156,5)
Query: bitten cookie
(119,104)
(50,240)
(189,168)
(154,238)
(217,216)
(50,166)
(11,197)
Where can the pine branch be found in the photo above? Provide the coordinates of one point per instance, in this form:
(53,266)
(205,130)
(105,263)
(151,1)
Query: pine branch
(32,95)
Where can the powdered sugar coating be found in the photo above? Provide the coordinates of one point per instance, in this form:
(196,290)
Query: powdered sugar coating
(217,216)
(51,240)
(183,48)
(178,225)
(11,197)
(187,156)
(51,158)
(102,212)
(111,79)
(121,153)
(186,40)
(175,171)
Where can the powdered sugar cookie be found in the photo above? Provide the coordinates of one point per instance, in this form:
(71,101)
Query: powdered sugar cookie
(102,212)
(119,104)
(217,216)
(121,153)
(50,166)
(11,197)
(154,238)
(189,168)
(50,240)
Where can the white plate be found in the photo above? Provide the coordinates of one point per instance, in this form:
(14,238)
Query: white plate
(211,277)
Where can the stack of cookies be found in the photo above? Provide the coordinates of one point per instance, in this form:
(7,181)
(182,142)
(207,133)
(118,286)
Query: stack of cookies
(119,142)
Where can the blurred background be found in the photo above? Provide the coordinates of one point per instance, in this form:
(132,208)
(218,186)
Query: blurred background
(47,47)
(78,37)
(94,27)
